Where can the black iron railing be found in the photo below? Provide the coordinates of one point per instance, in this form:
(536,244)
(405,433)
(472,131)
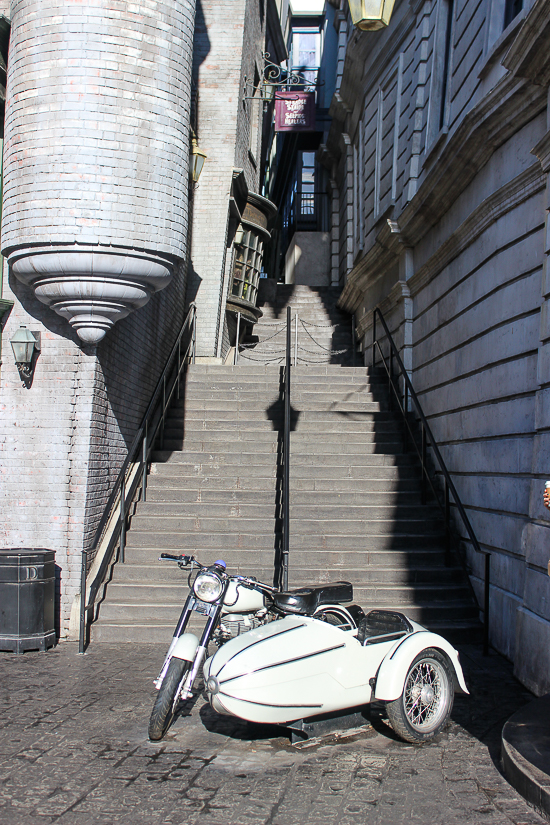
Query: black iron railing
(286,455)
(132,478)
(401,397)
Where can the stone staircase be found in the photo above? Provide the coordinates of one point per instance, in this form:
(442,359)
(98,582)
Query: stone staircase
(355,503)
(324,331)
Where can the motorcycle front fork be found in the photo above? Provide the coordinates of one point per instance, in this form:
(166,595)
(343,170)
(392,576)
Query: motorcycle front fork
(200,654)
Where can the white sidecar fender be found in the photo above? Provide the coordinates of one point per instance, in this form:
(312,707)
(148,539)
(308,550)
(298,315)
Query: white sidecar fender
(390,679)
(292,668)
(185,647)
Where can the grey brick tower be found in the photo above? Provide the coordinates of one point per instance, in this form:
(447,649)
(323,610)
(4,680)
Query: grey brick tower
(95,223)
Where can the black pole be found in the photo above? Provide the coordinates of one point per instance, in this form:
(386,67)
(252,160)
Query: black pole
(487,585)
(373,339)
(82,632)
(286,456)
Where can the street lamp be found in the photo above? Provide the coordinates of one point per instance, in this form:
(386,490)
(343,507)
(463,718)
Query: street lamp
(24,343)
(370,15)
(197,160)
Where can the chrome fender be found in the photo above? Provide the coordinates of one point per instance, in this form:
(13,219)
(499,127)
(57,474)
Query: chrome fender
(392,672)
(185,647)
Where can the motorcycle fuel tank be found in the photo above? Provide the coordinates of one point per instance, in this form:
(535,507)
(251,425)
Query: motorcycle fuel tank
(291,669)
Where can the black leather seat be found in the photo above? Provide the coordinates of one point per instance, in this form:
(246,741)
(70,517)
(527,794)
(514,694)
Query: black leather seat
(382,626)
(306,600)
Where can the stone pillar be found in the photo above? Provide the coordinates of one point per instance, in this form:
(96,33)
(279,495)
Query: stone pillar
(96,153)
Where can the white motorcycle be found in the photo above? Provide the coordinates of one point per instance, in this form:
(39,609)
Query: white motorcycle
(320,658)
(231,605)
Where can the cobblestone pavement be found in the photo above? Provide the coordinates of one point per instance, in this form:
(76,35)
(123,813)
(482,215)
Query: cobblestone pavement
(74,751)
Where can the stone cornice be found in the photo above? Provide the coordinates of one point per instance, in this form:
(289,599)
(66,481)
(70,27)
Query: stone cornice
(505,199)
(542,152)
(394,297)
(529,55)
(380,257)
(512,103)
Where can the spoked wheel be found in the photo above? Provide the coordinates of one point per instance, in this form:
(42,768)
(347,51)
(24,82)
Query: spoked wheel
(167,699)
(424,707)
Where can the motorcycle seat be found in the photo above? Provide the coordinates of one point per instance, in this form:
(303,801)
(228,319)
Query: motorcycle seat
(382,626)
(305,600)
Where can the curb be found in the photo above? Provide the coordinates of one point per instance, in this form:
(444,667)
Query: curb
(525,751)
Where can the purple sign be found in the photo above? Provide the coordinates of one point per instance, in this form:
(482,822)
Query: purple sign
(295,112)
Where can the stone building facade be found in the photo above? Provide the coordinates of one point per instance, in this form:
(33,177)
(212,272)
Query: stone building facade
(228,67)
(439,155)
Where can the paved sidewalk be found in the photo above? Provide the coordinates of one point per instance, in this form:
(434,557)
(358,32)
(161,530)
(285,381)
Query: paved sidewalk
(74,751)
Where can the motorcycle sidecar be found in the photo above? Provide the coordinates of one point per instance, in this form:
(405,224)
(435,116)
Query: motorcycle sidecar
(298,667)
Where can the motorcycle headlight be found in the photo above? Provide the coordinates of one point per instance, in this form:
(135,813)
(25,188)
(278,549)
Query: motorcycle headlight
(207,587)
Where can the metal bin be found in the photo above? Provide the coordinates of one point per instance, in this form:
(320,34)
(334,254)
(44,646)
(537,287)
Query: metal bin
(27,597)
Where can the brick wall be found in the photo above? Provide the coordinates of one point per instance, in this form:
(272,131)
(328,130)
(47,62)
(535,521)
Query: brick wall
(228,43)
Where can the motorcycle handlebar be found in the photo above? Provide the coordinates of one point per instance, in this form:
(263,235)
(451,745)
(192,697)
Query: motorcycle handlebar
(246,580)
(180,559)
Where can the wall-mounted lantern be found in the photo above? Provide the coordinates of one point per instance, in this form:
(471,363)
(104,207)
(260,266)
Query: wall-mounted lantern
(24,344)
(197,160)
(370,15)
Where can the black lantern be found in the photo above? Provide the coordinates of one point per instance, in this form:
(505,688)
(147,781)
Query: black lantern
(24,343)
(197,160)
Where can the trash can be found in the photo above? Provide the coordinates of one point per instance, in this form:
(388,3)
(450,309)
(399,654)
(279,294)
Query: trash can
(27,597)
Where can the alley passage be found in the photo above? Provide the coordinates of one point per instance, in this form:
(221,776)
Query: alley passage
(74,751)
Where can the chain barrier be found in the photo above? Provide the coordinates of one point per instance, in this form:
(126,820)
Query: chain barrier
(279,356)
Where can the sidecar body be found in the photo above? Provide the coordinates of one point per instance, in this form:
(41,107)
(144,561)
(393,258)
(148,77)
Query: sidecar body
(299,667)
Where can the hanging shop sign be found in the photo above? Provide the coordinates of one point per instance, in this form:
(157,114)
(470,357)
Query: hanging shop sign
(295,111)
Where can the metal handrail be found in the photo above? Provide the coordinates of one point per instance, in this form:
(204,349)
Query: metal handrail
(286,455)
(134,470)
(427,440)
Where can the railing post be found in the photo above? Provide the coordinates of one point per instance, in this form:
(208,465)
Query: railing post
(194,336)
(163,412)
(82,632)
(296,340)
(144,461)
(353,340)
(236,354)
(487,585)
(373,339)
(423,462)
(178,368)
(286,455)
(447,526)
(390,381)
(122,518)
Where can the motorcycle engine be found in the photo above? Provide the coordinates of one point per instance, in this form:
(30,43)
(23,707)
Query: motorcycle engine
(233,624)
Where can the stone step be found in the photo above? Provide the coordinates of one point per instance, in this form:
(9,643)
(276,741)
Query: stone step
(168,593)
(224,543)
(318,498)
(153,632)
(302,477)
(390,599)
(317,462)
(320,527)
(167,573)
(302,447)
(322,513)
(322,565)
(308,423)
(233,438)
(260,369)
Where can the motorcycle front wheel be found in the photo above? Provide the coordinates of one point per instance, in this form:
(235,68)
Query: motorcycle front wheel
(424,707)
(167,699)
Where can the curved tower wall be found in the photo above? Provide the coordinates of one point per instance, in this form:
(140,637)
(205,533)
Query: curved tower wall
(96,153)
